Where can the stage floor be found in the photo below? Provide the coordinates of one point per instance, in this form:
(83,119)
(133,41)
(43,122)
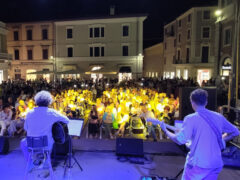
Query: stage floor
(102,165)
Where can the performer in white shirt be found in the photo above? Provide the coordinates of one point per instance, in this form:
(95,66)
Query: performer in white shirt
(204,160)
(39,120)
(5,118)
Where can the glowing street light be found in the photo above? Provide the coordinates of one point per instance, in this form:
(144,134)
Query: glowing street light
(218,12)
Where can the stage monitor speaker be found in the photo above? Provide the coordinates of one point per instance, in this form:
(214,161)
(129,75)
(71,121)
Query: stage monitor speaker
(129,147)
(185,106)
(4,145)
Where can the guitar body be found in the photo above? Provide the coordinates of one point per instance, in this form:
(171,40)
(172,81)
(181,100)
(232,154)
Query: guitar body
(60,132)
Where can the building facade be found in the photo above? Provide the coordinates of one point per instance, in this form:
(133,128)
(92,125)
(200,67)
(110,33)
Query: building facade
(153,61)
(226,25)
(100,47)
(5,58)
(190,45)
(32,47)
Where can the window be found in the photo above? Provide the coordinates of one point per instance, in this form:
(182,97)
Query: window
(206,14)
(185,74)
(102,31)
(44,34)
(96,32)
(179,55)
(69,33)
(180,23)
(178,73)
(125,50)
(227,37)
(97,51)
(70,51)
(29,34)
(179,38)
(189,17)
(15,36)
(189,34)
(206,32)
(30,54)
(91,32)
(125,31)
(91,51)
(205,53)
(45,53)
(102,51)
(16,54)
(188,54)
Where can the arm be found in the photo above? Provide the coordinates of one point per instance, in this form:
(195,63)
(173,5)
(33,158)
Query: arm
(230,130)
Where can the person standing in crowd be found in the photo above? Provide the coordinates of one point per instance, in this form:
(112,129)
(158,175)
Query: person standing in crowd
(39,120)
(93,124)
(203,131)
(5,118)
(108,118)
(150,127)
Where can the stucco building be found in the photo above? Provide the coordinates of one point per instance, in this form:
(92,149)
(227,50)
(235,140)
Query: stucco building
(190,45)
(153,61)
(32,47)
(5,58)
(110,46)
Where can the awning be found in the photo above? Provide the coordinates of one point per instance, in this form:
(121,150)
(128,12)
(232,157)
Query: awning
(103,70)
(73,71)
(42,72)
(125,69)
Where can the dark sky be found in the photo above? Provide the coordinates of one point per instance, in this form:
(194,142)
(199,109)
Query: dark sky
(159,12)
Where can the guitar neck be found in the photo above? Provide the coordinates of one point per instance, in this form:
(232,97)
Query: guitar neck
(156,122)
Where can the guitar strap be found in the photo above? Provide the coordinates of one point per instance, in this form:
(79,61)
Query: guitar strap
(215,130)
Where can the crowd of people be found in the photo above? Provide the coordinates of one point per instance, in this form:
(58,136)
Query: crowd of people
(104,104)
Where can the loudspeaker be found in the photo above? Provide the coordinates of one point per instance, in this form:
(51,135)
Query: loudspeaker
(129,147)
(4,145)
(185,106)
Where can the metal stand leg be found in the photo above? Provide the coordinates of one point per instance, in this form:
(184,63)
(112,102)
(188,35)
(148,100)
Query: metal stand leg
(70,156)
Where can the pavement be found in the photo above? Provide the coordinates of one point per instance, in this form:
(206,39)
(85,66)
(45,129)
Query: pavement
(101,165)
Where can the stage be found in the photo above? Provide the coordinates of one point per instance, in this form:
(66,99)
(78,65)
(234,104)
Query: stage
(100,163)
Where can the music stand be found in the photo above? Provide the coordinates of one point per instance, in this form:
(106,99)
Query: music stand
(74,129)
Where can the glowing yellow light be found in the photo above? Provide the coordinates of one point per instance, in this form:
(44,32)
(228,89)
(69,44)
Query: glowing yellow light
(100,109)
(218,12)
(160,107)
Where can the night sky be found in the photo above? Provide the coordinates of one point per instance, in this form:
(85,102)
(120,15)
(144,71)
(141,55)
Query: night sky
(159,12)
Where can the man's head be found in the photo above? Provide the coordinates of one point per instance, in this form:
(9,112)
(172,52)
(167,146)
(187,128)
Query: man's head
(43,99)
(198,98)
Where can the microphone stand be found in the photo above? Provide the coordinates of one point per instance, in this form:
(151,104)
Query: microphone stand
(70,156)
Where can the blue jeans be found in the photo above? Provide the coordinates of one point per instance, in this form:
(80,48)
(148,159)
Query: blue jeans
(151,131)
(197,173)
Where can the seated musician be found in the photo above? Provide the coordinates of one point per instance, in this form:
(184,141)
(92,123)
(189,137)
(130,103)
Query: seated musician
(40,119)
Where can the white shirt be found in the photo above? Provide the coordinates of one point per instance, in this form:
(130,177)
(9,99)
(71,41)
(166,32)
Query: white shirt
(204,149)
(147,115)
(6,117)
(39,122)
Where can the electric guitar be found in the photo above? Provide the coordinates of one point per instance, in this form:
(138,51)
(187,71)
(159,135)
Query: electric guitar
(156,122)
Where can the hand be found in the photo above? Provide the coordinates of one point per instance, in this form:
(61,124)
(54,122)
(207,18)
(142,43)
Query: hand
(163,126)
